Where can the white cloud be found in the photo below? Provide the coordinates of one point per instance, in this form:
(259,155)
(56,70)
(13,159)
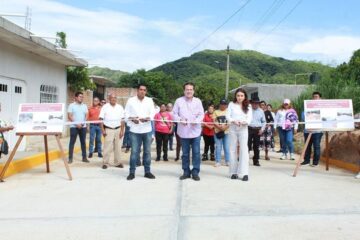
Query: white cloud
(122,41)
(336,47)
(305,44)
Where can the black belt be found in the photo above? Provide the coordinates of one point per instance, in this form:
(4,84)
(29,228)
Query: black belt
(111,128)
(256,128)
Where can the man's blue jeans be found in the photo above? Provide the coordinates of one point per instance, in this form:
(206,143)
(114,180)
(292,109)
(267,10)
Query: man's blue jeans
(315,141)
(221,143)
(126,141)
(138,139)
(194,144)
(73,135)
(95,134)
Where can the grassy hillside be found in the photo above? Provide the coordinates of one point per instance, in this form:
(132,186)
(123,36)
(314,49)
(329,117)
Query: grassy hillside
(208,70)
(108,73)
(248,66)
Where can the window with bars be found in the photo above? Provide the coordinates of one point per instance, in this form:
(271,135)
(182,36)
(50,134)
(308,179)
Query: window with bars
(3,87)
(48,94)
(18,89)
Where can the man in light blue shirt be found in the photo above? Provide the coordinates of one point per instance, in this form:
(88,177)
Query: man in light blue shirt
(77,113)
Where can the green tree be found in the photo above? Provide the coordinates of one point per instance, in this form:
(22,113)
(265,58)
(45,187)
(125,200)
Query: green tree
(354,67)
(77,77)
(342,83)
(61,40)
(161,87)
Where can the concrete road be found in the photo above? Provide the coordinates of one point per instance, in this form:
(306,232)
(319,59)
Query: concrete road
(102,204)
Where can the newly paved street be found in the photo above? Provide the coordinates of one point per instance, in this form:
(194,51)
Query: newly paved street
(102,204)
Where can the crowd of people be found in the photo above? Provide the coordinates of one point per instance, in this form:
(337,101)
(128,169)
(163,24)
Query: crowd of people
(232,130)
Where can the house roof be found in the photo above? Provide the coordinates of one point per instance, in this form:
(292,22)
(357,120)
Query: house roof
(102,81)
(25,40)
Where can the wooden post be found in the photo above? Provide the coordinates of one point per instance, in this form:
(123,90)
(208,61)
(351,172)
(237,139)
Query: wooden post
(11,157)
(46,154)
(21,135)
(327,150)
(63,157)
(302,155)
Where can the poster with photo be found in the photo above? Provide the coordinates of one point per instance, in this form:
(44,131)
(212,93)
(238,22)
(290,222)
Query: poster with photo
(40,118)
(329,115)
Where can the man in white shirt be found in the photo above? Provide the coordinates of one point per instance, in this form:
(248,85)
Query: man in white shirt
(113,130)
(139,112)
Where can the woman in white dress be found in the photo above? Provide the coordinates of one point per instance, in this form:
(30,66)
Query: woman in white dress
(239,115)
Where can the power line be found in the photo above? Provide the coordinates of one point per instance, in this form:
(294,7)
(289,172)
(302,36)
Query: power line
(276,4)
(234,32)
(267,15)
(219,27)
(281,21)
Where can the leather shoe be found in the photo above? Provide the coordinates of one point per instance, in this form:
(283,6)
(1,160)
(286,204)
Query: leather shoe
(104,166)
(149,175)
(234,176)
(85,160)
(245,178)
(90,155)
(183,177)
(257,164)
(120,165)
(196,177)
(100,155)
(131,176)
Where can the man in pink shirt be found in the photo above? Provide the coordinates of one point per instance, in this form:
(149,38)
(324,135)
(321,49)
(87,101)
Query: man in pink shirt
(190,112)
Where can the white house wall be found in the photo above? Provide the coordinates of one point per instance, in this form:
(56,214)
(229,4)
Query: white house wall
(34,70)
(29,71)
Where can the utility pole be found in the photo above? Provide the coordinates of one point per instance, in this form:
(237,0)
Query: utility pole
(227,72)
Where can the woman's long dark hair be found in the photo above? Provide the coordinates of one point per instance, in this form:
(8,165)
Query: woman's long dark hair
(245,103)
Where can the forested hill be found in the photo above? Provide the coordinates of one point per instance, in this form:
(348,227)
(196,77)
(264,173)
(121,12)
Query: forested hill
(208,70)
(245,65)
(108,73)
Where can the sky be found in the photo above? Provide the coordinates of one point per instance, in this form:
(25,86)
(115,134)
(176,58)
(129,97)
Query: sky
(142,34)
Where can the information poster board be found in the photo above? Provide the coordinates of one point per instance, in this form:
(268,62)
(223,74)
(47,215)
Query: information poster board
(40,118)
(329,115)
